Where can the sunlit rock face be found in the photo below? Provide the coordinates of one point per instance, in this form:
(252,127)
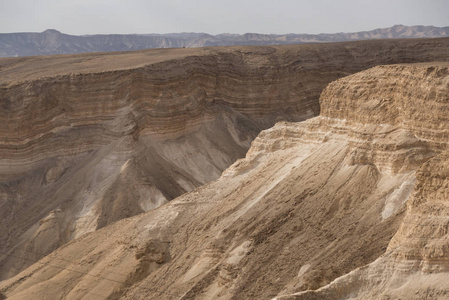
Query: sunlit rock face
(92,139)
(412,100)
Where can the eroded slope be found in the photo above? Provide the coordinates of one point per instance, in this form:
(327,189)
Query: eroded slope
(310,202)
(414,265)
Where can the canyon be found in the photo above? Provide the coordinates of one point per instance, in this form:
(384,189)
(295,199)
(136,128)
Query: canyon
(313,171)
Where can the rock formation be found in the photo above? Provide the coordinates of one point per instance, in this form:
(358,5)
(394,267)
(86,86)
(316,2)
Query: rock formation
(414,265)
(360,188)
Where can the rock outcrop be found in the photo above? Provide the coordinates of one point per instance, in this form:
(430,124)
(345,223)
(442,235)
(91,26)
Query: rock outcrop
(414,265)
(361,187)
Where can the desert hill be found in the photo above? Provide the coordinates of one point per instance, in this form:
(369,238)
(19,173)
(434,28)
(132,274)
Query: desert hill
(361,187)
(54,42)
(88,140)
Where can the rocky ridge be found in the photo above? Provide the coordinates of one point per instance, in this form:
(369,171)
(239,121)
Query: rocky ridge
(54,42)
(366,182)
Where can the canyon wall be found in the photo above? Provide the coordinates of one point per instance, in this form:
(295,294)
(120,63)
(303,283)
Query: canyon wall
(360,188)
(90,139)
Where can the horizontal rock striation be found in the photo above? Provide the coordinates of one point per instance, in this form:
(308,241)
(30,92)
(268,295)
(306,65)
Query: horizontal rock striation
(169,97)
(360,188)
(427,116)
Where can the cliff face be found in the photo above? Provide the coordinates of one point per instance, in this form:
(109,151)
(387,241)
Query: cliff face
(426,86)
(361,187)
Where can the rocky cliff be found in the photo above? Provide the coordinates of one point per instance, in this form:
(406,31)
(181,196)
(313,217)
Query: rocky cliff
(414,265)
(361,187)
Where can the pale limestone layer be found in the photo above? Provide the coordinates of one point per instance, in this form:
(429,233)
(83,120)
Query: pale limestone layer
(415,265)
(311,202)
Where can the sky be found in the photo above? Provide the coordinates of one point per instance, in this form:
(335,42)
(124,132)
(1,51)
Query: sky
(80,17)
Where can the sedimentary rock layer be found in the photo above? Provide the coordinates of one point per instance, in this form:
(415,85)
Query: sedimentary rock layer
(311,201)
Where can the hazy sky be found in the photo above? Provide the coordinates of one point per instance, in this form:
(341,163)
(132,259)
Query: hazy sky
(217,16)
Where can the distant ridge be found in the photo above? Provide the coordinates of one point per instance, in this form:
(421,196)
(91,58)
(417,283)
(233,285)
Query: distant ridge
(54,42)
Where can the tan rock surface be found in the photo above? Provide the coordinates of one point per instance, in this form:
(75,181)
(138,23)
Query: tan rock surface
(415,263)
(311,201)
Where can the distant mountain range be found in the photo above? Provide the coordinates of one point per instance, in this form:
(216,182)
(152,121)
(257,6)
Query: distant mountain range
(54,42)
